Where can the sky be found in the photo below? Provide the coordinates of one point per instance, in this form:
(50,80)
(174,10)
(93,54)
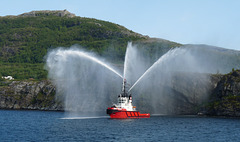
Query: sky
(212,22)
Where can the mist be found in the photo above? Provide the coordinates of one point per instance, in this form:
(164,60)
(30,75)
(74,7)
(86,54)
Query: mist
(169,83)
(83,80)
(179,81)
(176,82)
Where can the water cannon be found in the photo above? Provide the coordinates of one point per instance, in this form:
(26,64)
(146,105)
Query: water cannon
(124,85)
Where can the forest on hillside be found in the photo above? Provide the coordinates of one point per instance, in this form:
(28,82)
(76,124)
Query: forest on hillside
(24,41)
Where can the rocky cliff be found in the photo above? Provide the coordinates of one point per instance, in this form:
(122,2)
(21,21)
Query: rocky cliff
(183,93)
(29,95)
(60,13)
(225,98)
(222,94)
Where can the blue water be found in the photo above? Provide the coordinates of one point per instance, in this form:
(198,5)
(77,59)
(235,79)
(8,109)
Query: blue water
(49,126)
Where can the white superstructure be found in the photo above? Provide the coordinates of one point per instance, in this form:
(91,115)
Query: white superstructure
(125,100)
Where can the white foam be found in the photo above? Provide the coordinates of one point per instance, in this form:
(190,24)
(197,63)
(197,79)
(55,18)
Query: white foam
(91,117)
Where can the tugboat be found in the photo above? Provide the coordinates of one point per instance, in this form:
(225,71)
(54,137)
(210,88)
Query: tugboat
(124,108)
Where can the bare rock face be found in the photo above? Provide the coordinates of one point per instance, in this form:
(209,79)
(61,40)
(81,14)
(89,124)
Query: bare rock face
(216,95)
(31,95)
(183,93)
(225,99)
(192,91)
(60,13)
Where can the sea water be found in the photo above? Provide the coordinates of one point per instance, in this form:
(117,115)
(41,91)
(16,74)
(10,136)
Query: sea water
(55,126)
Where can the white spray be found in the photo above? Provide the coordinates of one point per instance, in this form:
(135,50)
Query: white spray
(167,56)
(85,81)
(82,79)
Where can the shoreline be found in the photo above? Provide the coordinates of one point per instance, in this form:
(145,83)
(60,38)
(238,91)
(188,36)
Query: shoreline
(152,115)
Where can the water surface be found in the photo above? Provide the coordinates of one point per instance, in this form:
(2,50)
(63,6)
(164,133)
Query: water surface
(54,126)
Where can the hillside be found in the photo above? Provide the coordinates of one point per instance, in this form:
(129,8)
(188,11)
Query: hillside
(225,98)
(223,92)
(29,95)
(215,60)
(26,38)
(184,88)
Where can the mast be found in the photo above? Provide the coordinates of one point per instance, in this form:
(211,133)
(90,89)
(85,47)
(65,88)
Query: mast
(124,88)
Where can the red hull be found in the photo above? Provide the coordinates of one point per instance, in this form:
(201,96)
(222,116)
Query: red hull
(123,114)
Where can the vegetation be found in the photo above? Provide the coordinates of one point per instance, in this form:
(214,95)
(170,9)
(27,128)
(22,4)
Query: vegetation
(25,40)
(225,98)
(22,71)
